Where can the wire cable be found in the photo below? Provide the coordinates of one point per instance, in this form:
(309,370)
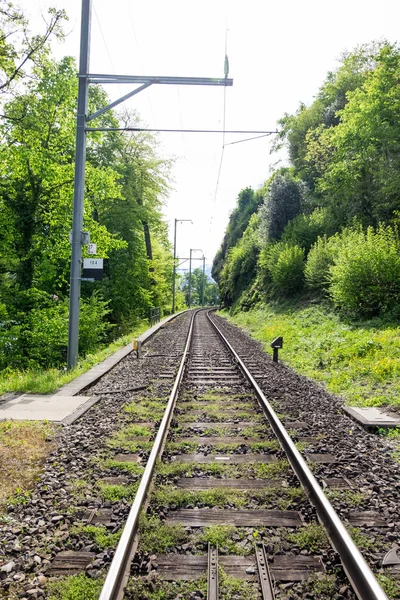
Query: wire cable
(181,120)
(109,54)
(139,55)
(226,72)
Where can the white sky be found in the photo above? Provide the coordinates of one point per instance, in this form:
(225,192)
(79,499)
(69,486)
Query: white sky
(279,55)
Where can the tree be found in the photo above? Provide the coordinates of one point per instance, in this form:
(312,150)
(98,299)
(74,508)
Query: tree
(363,175)
(248,203)
(282,203)
(18,48)
(211,296)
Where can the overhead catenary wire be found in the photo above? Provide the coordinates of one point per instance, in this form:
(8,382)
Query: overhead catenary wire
(139,55)
(226,73)
(108,53)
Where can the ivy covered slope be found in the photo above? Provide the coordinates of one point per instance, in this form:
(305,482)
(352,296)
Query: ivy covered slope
(126,183)
(315,254)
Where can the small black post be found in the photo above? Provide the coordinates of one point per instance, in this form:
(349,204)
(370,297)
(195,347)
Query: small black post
(276,345)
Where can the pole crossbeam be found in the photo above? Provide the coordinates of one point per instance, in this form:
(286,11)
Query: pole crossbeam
(216,81)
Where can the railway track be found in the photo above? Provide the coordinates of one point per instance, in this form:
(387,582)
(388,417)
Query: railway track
(226,516)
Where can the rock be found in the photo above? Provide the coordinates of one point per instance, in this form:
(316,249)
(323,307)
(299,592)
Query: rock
(8,567)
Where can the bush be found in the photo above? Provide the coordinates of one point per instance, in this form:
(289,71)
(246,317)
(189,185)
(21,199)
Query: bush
(39,338)
(240,267)
(365,278)
(319,260)
(285,268)
(304,230)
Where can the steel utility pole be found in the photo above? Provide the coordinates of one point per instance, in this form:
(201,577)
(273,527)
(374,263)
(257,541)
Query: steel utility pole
(204,283)
(85,78)
(174,269)
(79,186)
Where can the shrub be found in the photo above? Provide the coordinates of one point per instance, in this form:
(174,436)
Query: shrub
(319,260)
(285,267)
(365,279)
(39,338)
(304,230)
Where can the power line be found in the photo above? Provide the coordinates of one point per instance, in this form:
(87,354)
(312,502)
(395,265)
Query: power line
(181,120)
(226,73)
(257,137)
(108,52)
(139,55)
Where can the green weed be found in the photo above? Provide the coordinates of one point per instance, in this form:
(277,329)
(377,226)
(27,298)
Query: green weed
(115,493)
(157,589)
(313,538)
(352,498)
(156,537)
(98,534)
(75,587)
(127,467)
(390,585)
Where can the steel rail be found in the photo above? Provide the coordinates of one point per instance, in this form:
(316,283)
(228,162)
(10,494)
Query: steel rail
(116,577)
(362,579)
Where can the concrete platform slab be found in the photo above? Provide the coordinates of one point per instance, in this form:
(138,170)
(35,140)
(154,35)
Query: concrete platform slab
(371,417)
(58,409)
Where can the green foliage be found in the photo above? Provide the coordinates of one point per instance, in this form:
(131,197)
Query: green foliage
(98,534)
(358,360)
(155,537)
(247,204)
(324,586)
(282,203)
(313,538)
(284,268)
(241,264)
(362,176)
(219,535)
(305,229)
(75,587)
(46,381)
(344,178)
(197,282)
(39,339)
(307,125)
(157,589)
(365,277)
(126,182)
(319,260)
(116,493)
(390,585)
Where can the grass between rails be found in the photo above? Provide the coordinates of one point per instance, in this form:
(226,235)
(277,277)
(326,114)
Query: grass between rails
(156,589)
(46,381)
(23,447)
(358,360)
(281,498)
(273,470)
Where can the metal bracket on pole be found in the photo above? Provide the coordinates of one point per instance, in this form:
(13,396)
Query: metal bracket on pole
(116,102)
